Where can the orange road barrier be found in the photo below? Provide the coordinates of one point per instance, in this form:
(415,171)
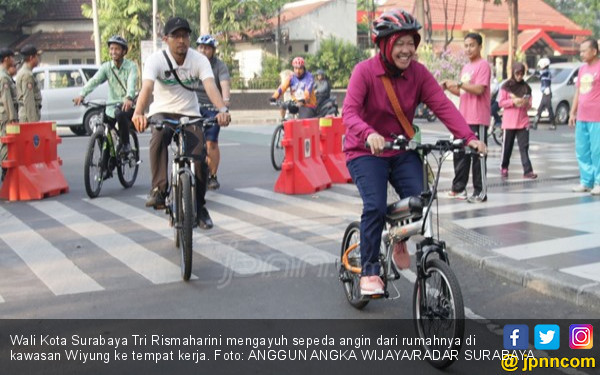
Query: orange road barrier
(332,136)
(302,171)
(32,164)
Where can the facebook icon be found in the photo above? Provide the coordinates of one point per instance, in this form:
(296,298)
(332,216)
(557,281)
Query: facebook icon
(516,336)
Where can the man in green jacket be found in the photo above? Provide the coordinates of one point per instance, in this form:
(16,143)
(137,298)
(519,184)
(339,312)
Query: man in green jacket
(29,94)
(122,76)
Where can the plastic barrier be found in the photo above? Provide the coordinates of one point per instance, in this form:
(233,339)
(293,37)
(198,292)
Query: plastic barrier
(302,171)
(332,135)
(33,166)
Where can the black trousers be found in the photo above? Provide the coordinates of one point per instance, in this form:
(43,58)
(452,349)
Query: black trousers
(508,143)
(546,103)
(462,164)
(159,156)
(123,118)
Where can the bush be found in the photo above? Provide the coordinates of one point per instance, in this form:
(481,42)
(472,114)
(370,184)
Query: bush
(445,65)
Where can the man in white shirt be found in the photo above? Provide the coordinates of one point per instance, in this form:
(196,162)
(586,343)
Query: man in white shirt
(174,97)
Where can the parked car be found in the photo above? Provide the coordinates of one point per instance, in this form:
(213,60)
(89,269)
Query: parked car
(59,85)
(563,90)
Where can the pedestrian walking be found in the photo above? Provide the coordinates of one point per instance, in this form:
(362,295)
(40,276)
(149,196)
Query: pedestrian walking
(8,98)
(515,98)
(585,117)
(29,95)
(475,106)
(546,87)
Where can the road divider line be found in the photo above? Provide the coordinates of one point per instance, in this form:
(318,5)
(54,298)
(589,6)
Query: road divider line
(47,262)
(217,252)
(153,267)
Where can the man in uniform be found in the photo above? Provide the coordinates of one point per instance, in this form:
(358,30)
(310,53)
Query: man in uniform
(28,91)
(8,98)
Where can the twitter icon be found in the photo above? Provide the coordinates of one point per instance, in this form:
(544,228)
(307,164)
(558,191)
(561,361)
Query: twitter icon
(547,336)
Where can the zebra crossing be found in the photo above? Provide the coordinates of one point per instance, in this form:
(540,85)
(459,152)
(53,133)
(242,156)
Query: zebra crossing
(256,232)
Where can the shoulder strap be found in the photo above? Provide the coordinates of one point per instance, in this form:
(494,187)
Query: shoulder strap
(408,129)
(118,80)
(175,73)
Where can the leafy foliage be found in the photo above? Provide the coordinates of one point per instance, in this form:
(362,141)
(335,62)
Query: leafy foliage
(443,66)
(585,13)
(337,58)
(15,10)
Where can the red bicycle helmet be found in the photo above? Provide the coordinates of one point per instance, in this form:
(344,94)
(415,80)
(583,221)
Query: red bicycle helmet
(298,62)
(393,21)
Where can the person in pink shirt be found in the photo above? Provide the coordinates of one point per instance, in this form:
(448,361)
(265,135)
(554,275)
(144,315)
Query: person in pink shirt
(585,117)
(515,98)
(475,105)
(368,116)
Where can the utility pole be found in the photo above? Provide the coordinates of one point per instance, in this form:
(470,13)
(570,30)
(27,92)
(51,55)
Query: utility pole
(278,36)
(96,32)
(204,17)
(154,25)
(420,9)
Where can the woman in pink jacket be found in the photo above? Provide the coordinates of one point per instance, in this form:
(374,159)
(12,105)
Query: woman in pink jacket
(515,98)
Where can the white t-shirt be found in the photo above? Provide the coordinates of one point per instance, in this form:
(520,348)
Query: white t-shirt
(169,95)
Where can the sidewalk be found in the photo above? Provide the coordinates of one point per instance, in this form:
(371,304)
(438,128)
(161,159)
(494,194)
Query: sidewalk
(256,117)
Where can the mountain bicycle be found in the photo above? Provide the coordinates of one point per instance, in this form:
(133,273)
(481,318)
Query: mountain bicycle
(438,308)
(277,150)
(104,154)
(180,202)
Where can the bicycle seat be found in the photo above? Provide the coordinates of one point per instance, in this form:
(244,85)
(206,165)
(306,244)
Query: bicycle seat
(404,208)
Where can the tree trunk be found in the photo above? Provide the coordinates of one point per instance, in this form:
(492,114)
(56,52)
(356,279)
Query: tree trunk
(513,32)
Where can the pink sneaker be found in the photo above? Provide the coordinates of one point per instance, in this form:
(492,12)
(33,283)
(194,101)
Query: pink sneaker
(504,172)
(400,256)
(371,285)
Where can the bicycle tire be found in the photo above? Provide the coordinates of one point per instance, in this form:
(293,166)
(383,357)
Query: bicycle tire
(497,134)
(442,315)
(93,171)
(350,280)
(185,217)
(128,166)
(277,150)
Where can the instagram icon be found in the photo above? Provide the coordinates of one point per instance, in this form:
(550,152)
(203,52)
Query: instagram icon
(581,336)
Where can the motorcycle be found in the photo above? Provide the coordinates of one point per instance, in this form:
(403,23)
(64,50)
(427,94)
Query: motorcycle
(423,111)
(328,107)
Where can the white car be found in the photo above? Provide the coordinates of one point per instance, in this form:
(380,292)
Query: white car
(564,76)
(60,84)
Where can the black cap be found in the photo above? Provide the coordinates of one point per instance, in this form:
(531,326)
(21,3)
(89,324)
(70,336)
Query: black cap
(29,50)
(5,52)
(176,23)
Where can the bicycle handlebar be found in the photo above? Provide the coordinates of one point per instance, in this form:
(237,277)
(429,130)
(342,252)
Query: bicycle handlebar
(86,103)
(442,145)
(183,122)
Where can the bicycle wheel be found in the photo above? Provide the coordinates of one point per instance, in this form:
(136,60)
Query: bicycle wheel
(277,150)
(93,170)
(185,223)
(127,167)
(439,313)
(350,280)
(497,133)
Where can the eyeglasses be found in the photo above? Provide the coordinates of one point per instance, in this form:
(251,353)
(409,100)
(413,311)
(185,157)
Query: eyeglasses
(183,35)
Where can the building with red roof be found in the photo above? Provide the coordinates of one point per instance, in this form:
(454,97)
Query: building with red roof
(543,31)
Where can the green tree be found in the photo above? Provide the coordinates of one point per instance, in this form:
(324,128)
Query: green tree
(585,13)
(14,12)
(337,58)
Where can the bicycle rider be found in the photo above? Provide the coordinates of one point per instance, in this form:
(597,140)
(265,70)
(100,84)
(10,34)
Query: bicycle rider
(174,100)
(369,116)
(301,85)
(122,77)
(207,45)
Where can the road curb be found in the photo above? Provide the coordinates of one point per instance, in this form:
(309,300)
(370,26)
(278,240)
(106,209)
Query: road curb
(582,292)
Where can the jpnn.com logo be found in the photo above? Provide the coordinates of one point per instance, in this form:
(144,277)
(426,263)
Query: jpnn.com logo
(516,336)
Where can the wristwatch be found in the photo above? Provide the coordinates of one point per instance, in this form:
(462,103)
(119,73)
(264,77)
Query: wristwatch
(223,110)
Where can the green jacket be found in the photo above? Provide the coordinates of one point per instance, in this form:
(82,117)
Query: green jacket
(8,98)
(118,89)
(29,95)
